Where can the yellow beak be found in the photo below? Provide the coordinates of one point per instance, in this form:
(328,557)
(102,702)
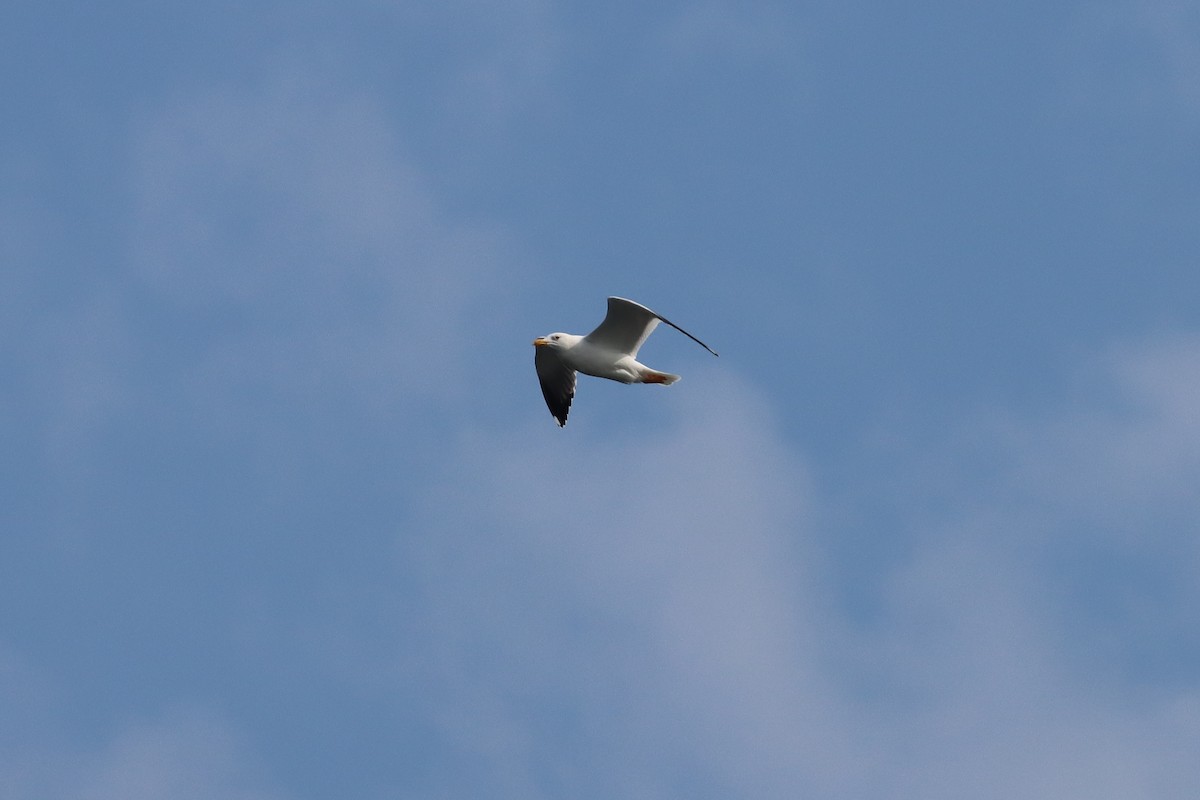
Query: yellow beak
(540,342)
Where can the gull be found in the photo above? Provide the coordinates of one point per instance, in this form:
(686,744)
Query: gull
(610,352)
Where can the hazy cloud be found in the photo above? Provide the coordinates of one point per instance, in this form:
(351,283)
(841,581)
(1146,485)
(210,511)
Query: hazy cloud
(679,628)
(716,28)
(185,754)
(280,488)
(292,211)
(666,592)
(1138,56)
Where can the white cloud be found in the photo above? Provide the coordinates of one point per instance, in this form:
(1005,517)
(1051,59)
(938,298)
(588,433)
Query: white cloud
(289,214)
(628,611)
(289,269)
(984,698)
(1025,639)
(183,752)
(667,593)
(187,753)
(754,31)
(657,585)
(1130,446)
(1136,56)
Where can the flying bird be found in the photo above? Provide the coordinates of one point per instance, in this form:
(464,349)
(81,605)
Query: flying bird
(610,352)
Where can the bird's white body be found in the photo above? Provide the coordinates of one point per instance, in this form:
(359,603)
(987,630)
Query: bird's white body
(600,362)
(609,352)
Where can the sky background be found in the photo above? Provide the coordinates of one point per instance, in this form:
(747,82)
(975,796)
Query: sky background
(283,515)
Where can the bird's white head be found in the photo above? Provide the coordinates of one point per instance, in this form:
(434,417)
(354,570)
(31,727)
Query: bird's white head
(555,340)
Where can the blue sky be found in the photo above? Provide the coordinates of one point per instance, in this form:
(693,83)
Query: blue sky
(284,515)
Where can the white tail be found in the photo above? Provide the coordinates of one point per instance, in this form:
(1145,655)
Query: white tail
(665,378)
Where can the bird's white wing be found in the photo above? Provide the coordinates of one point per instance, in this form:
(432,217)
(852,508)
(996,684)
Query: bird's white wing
(557,380)
(627,326)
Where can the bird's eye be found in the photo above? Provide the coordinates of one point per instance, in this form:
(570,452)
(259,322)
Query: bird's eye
(554,337)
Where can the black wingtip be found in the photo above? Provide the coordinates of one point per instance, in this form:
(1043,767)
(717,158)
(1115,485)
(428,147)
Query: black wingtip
(685,333)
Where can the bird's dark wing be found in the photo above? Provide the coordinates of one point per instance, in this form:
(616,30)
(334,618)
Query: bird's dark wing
(627,326)
(557,380)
